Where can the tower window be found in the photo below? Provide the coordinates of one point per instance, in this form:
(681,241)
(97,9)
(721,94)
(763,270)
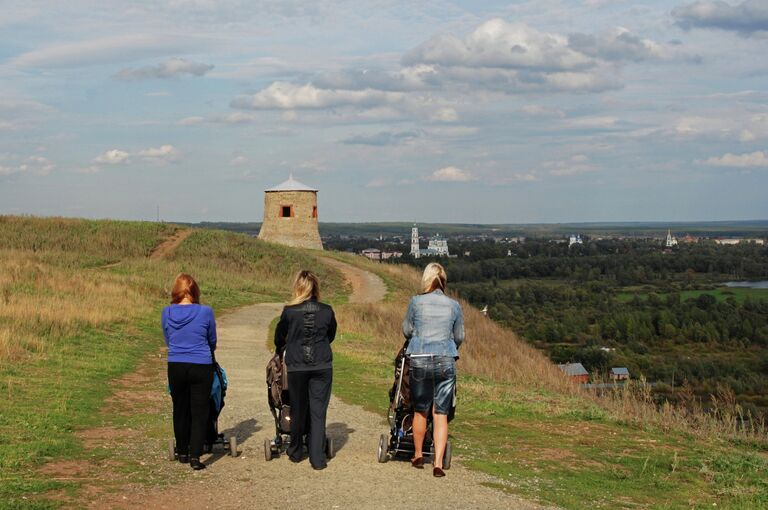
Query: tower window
(286,211)
(314,211)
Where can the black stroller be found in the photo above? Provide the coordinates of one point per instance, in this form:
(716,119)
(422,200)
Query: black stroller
(399,443)
(213,437)
(280,407)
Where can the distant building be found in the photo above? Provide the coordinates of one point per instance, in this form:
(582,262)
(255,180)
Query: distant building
(574,239)
(379,255)
(619,374)
(733,241)
(437,247)
(689,239)
(575,371)
(671,241)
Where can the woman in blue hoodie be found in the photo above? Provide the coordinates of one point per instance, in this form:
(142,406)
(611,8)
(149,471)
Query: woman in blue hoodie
(190,334)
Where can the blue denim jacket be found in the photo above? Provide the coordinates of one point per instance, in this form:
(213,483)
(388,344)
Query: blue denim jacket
(434,324)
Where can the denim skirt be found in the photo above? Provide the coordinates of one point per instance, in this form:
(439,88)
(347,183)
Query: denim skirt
(433,380)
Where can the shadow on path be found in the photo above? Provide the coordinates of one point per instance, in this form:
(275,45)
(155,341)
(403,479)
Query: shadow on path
(242,431)
(340,434)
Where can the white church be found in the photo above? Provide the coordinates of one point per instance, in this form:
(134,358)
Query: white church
(671,240)
(438,245)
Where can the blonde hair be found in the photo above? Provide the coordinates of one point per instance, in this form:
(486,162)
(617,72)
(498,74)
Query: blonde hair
(434,278)
(306,285)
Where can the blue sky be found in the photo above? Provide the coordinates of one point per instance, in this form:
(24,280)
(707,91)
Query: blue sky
(449,111)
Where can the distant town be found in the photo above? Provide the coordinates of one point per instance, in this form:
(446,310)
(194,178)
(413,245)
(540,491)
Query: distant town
(394,246)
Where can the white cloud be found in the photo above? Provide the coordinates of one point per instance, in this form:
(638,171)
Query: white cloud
(32,165)
(514,57)
(445,115)
(577,164)
(16,105)
(517,177)
(753,159)
(748,18)
(451,174)
(171,68)
(92,169)
(384,138)
(110,50)
(377,183)
(598,122)
(235,118)
(238,160)
(162,154)
(619,44)
(724,125)
(535,110)
(190,121)
(287,96)
(499,44)
(113,157)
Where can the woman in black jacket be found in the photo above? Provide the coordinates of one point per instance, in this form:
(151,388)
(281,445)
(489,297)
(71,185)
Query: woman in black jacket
(305,332)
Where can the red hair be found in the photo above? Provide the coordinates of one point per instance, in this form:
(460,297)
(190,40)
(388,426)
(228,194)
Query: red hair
(185,287)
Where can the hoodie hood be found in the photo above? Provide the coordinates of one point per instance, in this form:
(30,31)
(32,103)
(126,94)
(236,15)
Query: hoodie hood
(181,315)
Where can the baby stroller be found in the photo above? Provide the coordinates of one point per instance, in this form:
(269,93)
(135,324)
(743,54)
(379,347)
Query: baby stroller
(280,407)
(399,443)
(216,403)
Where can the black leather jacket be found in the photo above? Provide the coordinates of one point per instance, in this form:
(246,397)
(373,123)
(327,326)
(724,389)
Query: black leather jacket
(305,331)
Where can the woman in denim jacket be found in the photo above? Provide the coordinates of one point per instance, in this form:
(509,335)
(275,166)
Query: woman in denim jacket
(434,326)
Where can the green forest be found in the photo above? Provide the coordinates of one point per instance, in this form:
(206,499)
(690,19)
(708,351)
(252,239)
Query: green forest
(665,314)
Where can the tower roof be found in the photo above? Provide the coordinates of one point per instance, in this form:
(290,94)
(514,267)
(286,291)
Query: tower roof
(291,185)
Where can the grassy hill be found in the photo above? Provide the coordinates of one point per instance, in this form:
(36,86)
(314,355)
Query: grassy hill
(79,307)
(519,420)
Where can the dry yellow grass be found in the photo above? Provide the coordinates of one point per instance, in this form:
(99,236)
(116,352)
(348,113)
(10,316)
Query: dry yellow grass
(59,276)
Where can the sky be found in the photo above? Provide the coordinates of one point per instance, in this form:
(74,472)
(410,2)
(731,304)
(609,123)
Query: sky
(435,111)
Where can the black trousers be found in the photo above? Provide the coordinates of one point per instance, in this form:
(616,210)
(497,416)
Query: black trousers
(310,393)
(191,393)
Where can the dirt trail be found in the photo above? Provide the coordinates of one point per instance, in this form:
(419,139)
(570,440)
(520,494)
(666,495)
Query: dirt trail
(366,286)
(353,479)
(166,247)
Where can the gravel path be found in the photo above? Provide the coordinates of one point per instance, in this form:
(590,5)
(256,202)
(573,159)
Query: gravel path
(353,479)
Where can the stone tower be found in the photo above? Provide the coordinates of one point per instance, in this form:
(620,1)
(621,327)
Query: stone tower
(415,242)
(290,215)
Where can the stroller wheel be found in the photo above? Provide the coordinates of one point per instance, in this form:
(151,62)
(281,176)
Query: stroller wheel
(267,450)
(383,453)
(330,452)
(447,456)
(233,446)
(171,450)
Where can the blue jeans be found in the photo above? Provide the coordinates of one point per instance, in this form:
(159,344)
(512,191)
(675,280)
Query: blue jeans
(433,380)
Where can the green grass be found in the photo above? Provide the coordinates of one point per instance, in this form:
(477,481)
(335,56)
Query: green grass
(564,451)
